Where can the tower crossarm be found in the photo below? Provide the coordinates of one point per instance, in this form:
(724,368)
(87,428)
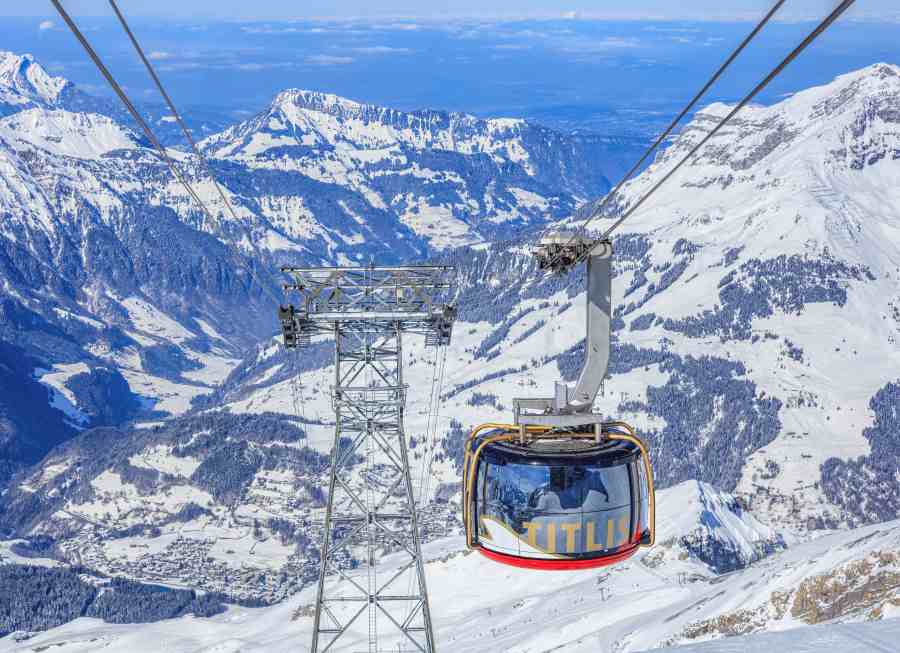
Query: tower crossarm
(368,298)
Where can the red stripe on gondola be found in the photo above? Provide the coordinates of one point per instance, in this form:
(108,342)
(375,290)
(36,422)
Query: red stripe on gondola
(558,564)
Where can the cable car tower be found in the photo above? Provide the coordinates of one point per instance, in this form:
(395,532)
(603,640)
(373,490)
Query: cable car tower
(370,503)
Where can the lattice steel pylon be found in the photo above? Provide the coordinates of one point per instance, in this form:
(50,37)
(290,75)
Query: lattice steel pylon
(371,504)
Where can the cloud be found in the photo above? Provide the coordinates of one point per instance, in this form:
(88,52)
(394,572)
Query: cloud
(676,30)
(255,67)
(182,66)
(268,29)
(382,49)
(512,46)
(45,25)
(594,46)
(226,63)
(396,27)
(157,55)
(571,15)
(328,60)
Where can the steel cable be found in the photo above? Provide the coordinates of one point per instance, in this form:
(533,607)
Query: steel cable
(811,37)
(427,430)
(700,94)
(172,108)
(436,425)
(163,153)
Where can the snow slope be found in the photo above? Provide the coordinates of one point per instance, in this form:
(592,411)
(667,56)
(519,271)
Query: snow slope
(87,636)
(876,637)
(80,135)
(479,606)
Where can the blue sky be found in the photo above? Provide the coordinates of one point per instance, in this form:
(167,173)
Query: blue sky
(611,76)
(286,9)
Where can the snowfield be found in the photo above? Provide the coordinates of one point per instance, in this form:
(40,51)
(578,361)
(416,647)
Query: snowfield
(876,637)
(479,606)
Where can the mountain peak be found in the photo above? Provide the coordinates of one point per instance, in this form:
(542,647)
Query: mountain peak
(879,70)
(322,119)
(80,135)
(315,101)
(292,101)
(24,81)
(866,84)
(827,99)
(345,109)
(850,123)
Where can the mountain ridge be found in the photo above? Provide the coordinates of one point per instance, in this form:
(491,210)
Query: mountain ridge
(106,261)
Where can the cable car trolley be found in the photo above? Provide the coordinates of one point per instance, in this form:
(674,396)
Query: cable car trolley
(560,488)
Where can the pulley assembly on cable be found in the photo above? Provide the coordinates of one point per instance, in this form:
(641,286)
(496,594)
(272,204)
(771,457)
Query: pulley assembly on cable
(561,488)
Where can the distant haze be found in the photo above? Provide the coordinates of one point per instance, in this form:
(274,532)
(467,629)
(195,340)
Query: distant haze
(608,76)
(284,9)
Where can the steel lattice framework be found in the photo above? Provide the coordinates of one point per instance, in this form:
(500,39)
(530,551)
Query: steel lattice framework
(370,499)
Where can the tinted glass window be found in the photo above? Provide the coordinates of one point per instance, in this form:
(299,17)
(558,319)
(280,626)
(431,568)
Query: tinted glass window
(556,509)
(558,488)
(644,493)
(607,487)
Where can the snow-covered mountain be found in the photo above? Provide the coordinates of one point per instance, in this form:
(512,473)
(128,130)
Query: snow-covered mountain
(755,348)
(108,269)
(791,266)
(25,84)
(450,178)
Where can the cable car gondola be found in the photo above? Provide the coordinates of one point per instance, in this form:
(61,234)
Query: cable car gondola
(545,500)
(562,489)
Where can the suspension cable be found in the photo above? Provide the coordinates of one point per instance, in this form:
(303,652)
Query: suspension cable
(427,431)
(172,108)
(425,493)
(135,114)
(702,92)
(811,37)
(163,154)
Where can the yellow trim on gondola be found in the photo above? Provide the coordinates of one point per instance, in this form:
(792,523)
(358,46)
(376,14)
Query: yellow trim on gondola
(631,437)
(510,432)
(471,481)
